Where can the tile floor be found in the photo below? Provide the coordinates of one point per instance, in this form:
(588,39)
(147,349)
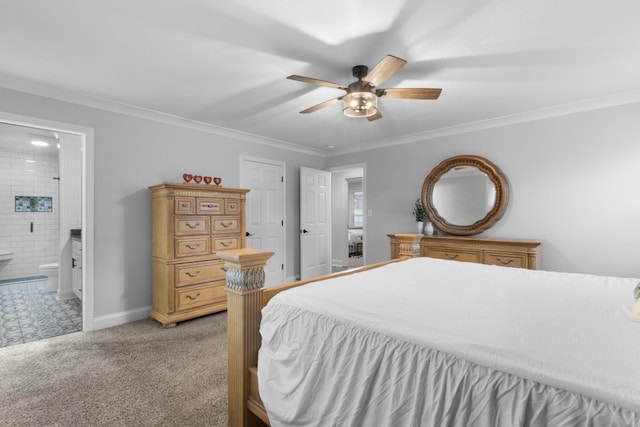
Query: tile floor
(29,313)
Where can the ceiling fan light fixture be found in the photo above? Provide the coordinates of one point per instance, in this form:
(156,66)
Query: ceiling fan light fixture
(361,98)
(360,104)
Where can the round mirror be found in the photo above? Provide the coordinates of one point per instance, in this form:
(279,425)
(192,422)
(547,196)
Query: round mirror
(464,195)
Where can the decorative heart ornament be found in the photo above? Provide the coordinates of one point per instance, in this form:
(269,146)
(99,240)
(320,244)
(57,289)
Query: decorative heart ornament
(187,177)
(197,179)
(217,180)
(207,180)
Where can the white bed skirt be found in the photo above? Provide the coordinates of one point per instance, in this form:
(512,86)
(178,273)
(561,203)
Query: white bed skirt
(496,347)
(382,381)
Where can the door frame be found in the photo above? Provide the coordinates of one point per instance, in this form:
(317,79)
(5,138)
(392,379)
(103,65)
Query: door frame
(87,136)
(283,169)
(362,166)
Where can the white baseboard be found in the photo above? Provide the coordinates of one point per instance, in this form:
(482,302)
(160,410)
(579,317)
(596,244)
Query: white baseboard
(121,318)
(65,295)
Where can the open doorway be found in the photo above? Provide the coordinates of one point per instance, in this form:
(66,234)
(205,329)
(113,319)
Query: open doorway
(48,199)
(348,217)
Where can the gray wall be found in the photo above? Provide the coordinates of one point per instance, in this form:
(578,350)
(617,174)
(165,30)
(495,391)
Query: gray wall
(573,184)
(132,154)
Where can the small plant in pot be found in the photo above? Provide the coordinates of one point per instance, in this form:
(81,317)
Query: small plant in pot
(422,219)
(420,214)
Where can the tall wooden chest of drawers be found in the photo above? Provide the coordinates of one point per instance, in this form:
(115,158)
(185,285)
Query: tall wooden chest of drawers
(190,224)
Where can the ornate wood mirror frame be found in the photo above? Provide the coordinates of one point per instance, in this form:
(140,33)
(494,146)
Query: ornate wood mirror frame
(457,163)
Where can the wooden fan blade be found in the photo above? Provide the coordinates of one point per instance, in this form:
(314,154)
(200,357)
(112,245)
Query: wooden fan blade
(409,93)
(376,116)
(316,82)
(321,105)
(387,67)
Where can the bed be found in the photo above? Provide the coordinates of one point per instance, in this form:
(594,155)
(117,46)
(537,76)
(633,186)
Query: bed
(424,341)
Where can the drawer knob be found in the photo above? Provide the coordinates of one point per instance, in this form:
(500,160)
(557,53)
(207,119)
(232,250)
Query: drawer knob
(192,245)
(505,262)
(192,226)
(192,298)
(225,244)
(226,224)
(451,256)
(194,274)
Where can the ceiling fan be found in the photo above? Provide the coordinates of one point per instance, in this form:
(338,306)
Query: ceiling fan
(361,100)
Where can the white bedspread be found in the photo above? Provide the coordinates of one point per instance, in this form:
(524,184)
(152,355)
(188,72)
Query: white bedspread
(426,342)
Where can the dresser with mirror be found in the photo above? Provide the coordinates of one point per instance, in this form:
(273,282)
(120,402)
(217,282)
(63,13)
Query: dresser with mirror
(464,196)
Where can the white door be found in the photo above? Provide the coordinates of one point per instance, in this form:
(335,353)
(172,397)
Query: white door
(265,213)
(315,222)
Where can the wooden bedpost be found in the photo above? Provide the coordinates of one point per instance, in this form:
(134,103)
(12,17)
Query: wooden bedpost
(245,279)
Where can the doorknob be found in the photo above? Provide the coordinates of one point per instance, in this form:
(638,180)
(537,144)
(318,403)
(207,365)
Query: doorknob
(248,234)
(303,231)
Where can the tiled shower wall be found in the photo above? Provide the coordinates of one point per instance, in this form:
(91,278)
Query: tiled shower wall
(26,174)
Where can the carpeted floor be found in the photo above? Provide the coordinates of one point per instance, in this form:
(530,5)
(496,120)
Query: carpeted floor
(137,374)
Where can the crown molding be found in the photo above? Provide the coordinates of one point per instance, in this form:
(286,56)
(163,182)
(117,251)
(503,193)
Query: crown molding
(134,111)
(148,114)
(529,116)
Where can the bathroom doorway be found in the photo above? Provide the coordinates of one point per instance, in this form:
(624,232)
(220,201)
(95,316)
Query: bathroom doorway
(45,199)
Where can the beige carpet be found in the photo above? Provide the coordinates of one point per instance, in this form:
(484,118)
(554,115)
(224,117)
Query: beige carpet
(137,374)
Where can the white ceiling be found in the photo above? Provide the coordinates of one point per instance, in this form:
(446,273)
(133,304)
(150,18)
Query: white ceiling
(224,63)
